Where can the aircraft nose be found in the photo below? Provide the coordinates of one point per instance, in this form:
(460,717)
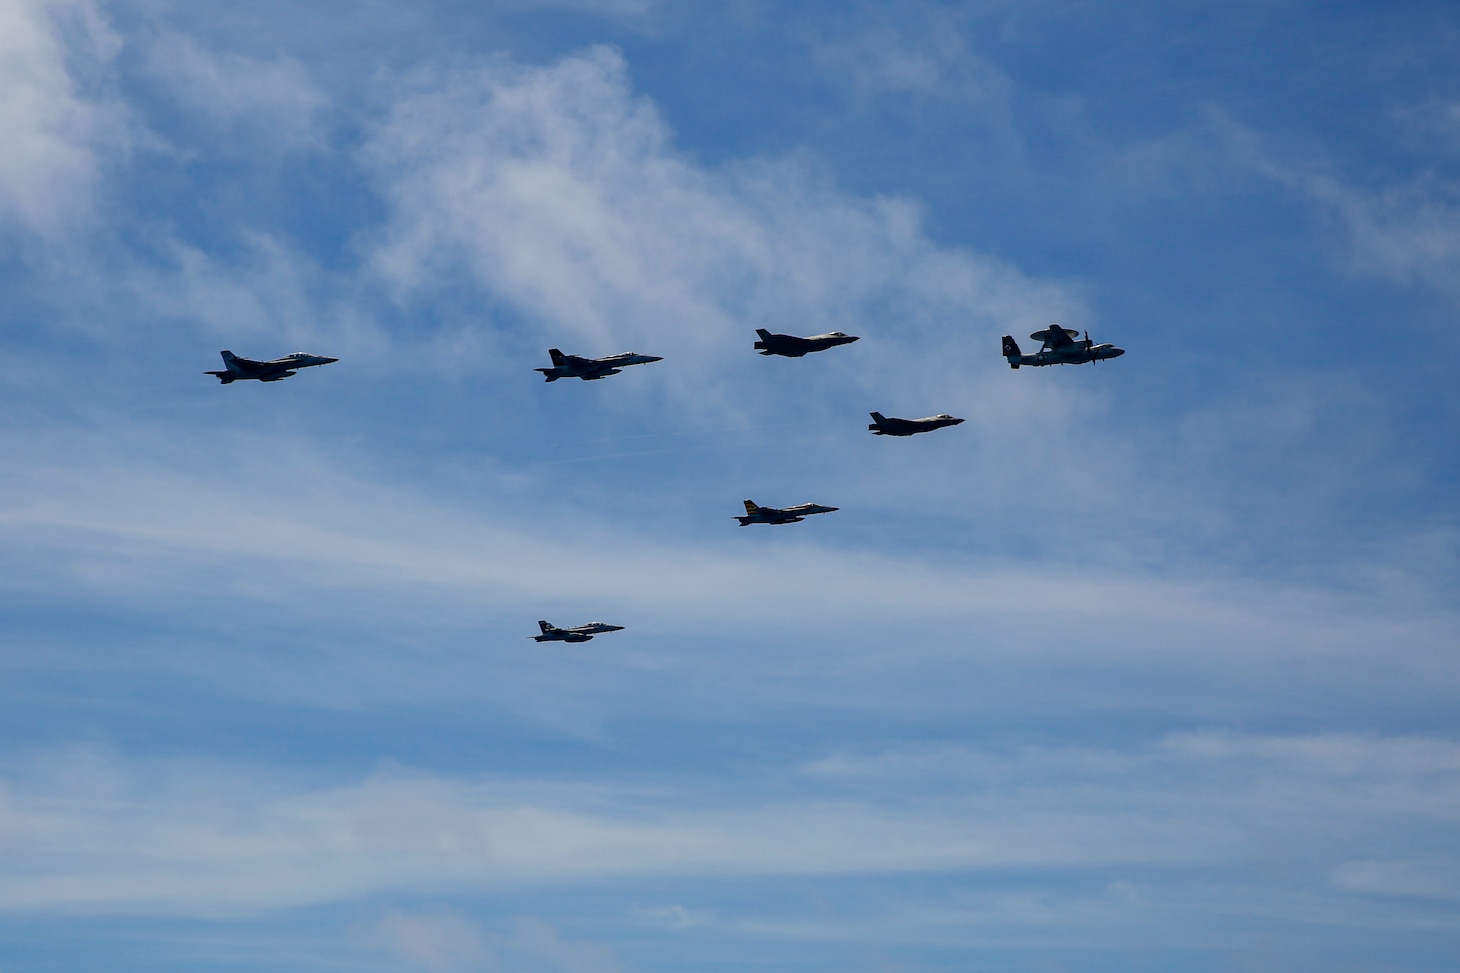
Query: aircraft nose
(1116,352)
(649,358)
(327,360)
(955,422)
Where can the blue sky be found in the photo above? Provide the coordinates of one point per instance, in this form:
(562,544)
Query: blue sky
(1148,665)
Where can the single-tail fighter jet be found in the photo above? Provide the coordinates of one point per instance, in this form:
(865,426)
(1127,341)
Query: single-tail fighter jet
(1060,348)
(591,369)
(883,426)
(578,633)
(236,369)
(793,347)
(780,515)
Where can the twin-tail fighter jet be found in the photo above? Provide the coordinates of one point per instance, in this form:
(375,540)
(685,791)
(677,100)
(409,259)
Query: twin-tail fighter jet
(791,346)
(591,369)
(883,426)
(237,369)
(780,515)
(577,633)
(1060,347)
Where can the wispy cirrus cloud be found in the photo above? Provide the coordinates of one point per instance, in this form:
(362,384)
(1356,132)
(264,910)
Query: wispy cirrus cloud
(89,832)
(63,120)
(274,103)
(560,191)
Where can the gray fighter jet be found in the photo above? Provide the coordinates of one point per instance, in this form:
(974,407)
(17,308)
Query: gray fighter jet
(591,369)
(236,369)
(578,633)
(780,515)
(883,426)
(793,347)
(1060,348)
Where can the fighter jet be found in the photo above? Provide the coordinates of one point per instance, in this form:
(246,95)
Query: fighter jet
(591,369)
(883,426)
(780,515)
(1060,348)
(793,347)
(578,633)
(236,369)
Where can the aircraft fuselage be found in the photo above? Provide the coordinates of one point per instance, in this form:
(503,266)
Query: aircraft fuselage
(1060,348)
(577,633)
(791,346)
(238,369)
(755,514)
(591,369)
(889,426)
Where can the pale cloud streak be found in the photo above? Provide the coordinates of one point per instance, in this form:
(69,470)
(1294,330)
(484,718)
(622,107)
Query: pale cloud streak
(560,191)
(87,832)
(274,103)
(63,124)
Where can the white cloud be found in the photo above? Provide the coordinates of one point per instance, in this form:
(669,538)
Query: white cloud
(264,292)
(1432,878)
(1406,233)
(274,103)
(444,941)
(61,122)
(1403,231)
(919,52)
(560,192)
(85,832)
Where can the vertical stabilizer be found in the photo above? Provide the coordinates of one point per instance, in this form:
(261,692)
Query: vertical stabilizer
(556,356)
(751,508)
(545,626)
(1011,351)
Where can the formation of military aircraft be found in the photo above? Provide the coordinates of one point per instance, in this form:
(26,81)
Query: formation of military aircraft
(591,369)
(237,369)
(755,514)
(883,426)
(577,633)
(790,346)
(1059,347)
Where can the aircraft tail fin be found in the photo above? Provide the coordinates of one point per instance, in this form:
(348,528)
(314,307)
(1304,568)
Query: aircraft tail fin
(1011,351)
(556,356)
(878,416)
(764,334)
(751,508)
(545,626)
